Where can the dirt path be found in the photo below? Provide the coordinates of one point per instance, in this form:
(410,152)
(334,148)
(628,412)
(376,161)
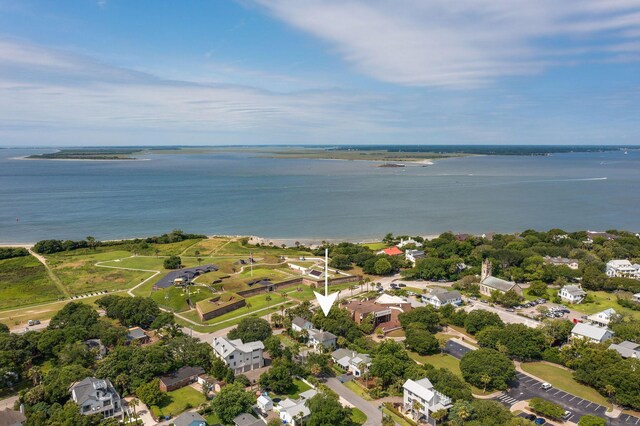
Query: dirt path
(51,274)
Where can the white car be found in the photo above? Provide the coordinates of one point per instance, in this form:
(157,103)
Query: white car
(546,386)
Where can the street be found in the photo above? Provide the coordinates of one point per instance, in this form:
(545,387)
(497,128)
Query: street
(374,416)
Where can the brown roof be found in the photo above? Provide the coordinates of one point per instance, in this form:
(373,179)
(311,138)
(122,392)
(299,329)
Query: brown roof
(11,417)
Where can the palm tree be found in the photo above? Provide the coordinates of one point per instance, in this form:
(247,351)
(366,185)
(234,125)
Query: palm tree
(485,379)
(463,413)
(91,242)
(35,374)
(439,415)
(367,280)
(268,299)
(609,389)
(134,403)
(416,407)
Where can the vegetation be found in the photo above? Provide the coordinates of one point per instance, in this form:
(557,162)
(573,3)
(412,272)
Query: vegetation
(172,262)
(546,408)
(487,369)
(230,402)
(24,280)
(590,420)
(251,329)
(11,252)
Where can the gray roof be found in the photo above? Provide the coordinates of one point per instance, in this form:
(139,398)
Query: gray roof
(574,290)
(186,419)
(590,331)
(341,353)
(88,387)
(136,333)
(626,349)
(224,346)
(443,296)
(11,417)
(323,336)
(498,283)
(181,374)
(187,273)
(301,322)
(245,419)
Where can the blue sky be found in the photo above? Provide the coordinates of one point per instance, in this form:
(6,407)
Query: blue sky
(216,72)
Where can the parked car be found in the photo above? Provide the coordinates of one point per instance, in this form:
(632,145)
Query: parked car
(473,298)
(531,417)
(402,285)
(566,415)
(484,301)
(33,322)
(546,386)
(510,310)
(539,421)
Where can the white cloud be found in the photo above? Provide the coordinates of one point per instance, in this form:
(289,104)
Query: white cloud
(461,42)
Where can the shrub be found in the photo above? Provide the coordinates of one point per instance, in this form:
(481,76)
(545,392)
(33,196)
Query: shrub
(546,408)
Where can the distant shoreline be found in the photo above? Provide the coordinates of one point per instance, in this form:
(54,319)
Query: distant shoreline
(78,159)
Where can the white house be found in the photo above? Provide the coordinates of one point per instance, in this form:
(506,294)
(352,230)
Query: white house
(561,261)
(298,324)
(626,349)
(590,332)
(265,403)
(409,241)
(96,396)
(413,255)
(294,411)
(352,361)
(572,294)
(622,268)
(428,399)
(636,297)
(440,297)
(603,318)
(240,357)
(319,338)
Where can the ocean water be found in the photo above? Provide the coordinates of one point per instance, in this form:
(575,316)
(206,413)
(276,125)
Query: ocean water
(240,194)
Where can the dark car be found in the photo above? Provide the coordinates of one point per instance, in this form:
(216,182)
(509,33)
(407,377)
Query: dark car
(531,417)
(402,285)
(539,421)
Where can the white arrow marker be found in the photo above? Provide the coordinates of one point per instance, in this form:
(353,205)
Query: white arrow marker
(327,300)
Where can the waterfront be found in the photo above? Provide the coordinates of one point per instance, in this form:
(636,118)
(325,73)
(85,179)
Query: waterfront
(238,193)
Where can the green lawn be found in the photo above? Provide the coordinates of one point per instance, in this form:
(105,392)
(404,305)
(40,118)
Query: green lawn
(357,389)
(264,272)
(175,298)
(602,301)
(445,361)
(295,390)
(375,246)
(563,379)
(178,401)
(213,419)
(235,247)
(235,318)
(402,421)
(358,416)
(24,280)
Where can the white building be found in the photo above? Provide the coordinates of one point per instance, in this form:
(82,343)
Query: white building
(96,396)
(319,338)
(561,261)
(265,403)
(590,332)
(298,324)
(240,357)
(572,294)
(413,255)
(294,411)
(636,297)
(626,349)
(409,241)
(428,399)
(603,318)
(622,268)
(356,363)
(440,297)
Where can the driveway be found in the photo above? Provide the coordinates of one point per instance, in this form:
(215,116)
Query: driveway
(507,317)
(374,416)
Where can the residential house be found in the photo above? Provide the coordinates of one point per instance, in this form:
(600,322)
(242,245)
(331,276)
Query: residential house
(572,294)
(413,255)
(239,356)
(391,251)
(96,396)
(10,417)
(298,324)
(626,349)
(603,318)
(591,333)
(294,411)
(409,241)
(489,283)
(96,346)
(561,261)
(356,363)
(180,378)
(319,338)
(622,268)
(440,297)
(421,399)
(636,297)
(137,336)
(592,235)
(190,418)
(246,419)
(265,403)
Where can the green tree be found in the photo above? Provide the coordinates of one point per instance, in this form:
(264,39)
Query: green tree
(538,289)
(150,393)
(74,314)
(478,319)
(476,364)
(231,401)
(421,341)
(327,410)
(461,412)
(546,408)
(251,329)
(590,420)
(382,267)
(172,262)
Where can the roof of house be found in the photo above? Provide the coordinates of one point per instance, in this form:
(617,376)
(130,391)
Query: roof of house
(574,290)
(619,263)
(188,418)
(444,296)
(136,333)
(590,331)
(264,399)
(498,283)
(415,253)
(341,353)
(87,388)
(422,388)
(322,336)
(246,419)
(345,356)
(224,346)
(389,299)
(181,374)
(297,406)
(626,349)
(301,322)
(392,251)
(10,417)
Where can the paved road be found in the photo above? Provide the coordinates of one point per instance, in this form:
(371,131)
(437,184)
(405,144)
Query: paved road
(507,317)
(374,416)
(527,387)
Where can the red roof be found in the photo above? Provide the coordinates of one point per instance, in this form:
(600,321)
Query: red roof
(392,251)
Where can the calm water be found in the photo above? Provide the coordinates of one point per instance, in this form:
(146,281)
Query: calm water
(238,194)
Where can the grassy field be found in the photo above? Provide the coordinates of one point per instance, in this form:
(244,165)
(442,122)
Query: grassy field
(445,361)
(16,317)
(206,247)
(376,246)
(24,280)
(602,301)
(235,247)
(178,401)
(358,390)
(358,416)
(563,379)
(175,298)
(295,390)
(208,328)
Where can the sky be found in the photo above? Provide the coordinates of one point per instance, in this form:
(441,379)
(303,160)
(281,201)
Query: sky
(218,72)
